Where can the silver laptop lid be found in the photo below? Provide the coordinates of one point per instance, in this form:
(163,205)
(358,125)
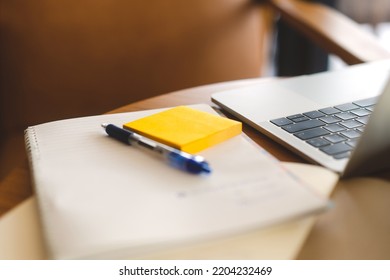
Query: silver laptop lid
(372,152)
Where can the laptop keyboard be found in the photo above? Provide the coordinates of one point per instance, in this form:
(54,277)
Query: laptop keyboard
(333,130)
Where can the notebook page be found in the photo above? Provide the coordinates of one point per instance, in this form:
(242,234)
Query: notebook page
(98,196)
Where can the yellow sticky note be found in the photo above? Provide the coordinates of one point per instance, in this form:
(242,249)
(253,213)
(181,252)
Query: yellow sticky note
(186,129)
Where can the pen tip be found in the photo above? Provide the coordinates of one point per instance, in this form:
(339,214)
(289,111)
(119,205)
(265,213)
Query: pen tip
(104,125)
(206,168)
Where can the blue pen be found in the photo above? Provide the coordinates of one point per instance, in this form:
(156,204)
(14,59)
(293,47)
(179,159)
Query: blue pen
(191,163)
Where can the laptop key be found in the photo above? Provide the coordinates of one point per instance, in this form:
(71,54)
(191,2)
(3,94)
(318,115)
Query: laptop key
(318,142)
(351,124)
(352,142)
(345,116)
(300,119)
(347,107)
(351,134)
(334,127)
(336,149)
(295,116)
(329,111)
(314,114)
(292,128)
(342,155)
(335,138)
(281,121)
(329,119)
(361,112)
(311,133)
(366,102)
(363,120)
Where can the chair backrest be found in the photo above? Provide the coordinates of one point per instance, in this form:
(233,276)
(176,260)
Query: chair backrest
(69,58)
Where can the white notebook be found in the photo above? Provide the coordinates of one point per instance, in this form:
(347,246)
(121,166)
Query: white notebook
(99,198)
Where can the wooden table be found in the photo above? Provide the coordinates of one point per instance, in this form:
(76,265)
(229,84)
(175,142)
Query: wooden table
(357,227)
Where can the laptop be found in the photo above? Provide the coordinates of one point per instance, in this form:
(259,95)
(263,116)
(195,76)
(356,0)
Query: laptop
(339,119)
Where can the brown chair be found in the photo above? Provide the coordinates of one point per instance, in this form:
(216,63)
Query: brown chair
(62,59)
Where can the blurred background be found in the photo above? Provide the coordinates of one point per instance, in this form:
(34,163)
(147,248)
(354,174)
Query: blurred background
(70,58)
(295,55)
(373,16)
